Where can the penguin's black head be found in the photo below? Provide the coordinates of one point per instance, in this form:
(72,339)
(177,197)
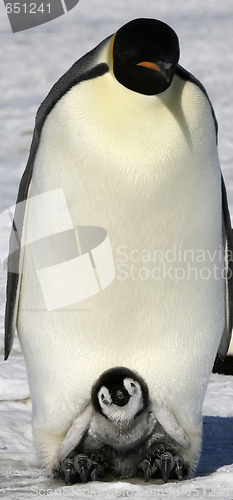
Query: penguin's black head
(119,394)
(145,56)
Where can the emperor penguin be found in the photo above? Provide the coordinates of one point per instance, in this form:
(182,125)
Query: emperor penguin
(124,148)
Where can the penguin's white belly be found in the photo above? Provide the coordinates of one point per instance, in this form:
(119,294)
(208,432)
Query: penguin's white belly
(147,183)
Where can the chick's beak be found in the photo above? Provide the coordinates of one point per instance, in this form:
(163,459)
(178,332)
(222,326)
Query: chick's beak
(121,399)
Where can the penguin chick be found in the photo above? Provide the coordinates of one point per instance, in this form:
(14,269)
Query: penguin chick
(123,432)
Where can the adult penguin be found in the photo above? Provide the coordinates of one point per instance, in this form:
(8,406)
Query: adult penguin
(125,141)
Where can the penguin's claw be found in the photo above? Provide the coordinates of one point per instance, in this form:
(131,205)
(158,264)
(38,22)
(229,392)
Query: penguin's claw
(165,464)
(147,469)
(179,465)
(99,464)
(68,469)
(84,468)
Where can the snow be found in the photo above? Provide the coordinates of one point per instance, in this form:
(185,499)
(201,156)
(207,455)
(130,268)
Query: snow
(31,62)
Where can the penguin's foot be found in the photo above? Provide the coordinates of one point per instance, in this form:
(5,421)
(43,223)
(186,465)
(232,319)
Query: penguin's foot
(67,469)
(164,462)
(83,467)
(147,467)
(99,466)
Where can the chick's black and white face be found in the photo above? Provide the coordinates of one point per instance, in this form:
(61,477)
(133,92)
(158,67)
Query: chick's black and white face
(123,402)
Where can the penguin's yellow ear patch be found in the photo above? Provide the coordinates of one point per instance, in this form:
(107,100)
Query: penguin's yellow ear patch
(111,51)
(148,64)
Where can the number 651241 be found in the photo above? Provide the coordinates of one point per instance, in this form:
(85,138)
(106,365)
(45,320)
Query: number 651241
(26,8)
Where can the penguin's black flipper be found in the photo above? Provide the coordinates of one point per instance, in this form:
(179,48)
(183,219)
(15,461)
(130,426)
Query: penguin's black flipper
(228,254)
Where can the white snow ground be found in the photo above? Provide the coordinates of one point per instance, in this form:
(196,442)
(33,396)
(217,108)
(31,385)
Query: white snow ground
(30,63)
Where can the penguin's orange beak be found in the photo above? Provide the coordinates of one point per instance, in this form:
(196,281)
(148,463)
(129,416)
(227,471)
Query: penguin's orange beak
(148,64)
